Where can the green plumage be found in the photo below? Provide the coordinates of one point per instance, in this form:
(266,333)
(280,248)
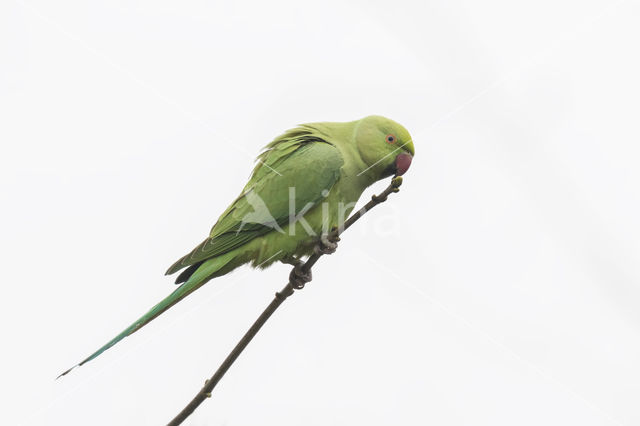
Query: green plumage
(305,183)
(271,181)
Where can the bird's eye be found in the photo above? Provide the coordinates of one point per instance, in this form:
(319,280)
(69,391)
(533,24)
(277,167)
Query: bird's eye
(391,138)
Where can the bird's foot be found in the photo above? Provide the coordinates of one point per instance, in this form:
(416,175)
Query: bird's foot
(299,277)
(326,245)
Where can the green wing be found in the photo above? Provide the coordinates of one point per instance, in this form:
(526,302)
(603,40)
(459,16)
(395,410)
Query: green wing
(298,159)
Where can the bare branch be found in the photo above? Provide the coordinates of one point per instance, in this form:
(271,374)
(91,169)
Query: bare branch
(280,297)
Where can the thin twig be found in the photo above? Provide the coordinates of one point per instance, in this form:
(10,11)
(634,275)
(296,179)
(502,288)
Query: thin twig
(280,297)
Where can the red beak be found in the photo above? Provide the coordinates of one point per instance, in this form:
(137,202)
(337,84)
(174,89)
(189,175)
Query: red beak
(403,161)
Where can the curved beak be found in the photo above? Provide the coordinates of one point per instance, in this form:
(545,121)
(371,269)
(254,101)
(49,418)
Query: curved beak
(403,160)
(402,163)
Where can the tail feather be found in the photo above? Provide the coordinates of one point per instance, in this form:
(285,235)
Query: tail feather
(186,274)
(208,270)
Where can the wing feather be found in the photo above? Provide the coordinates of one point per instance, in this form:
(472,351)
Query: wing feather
(298,159)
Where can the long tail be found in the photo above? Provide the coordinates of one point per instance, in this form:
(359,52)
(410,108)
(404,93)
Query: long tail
(208,270)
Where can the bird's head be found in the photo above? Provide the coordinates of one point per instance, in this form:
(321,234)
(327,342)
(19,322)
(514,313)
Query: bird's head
(384,145)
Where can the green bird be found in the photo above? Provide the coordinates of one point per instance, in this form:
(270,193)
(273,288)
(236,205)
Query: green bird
(305,183)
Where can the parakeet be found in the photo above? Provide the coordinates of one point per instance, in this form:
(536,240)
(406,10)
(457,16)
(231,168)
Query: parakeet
(305,183)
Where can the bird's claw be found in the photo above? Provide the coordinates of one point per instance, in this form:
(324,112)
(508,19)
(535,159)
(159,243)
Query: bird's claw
(326,245)
(299,277)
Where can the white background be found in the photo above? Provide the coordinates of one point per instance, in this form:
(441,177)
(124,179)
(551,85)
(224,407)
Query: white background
(499,287)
